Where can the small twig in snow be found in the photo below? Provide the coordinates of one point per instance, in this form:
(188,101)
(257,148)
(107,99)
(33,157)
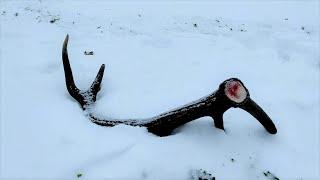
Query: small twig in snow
(88,52)
(270,176)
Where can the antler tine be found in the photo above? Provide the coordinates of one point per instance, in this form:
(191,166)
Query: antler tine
(71,87)
(73,90)
(95,86)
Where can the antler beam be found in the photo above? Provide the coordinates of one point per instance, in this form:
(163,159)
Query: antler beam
(231,93)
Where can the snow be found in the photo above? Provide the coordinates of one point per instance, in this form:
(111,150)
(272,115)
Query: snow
(159,56)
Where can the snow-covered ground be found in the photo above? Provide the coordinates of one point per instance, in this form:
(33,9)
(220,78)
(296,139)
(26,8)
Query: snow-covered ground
(159,56)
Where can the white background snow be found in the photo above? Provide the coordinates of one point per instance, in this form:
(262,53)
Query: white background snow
(159,55)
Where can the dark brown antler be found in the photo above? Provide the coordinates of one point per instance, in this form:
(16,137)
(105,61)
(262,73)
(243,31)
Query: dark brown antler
(231,93)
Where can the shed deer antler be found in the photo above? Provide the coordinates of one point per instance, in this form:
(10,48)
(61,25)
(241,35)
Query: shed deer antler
(231,93)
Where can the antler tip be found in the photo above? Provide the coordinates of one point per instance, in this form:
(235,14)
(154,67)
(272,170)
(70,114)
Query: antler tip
(101,70)
(273,131)
(66,39)
(65,44)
